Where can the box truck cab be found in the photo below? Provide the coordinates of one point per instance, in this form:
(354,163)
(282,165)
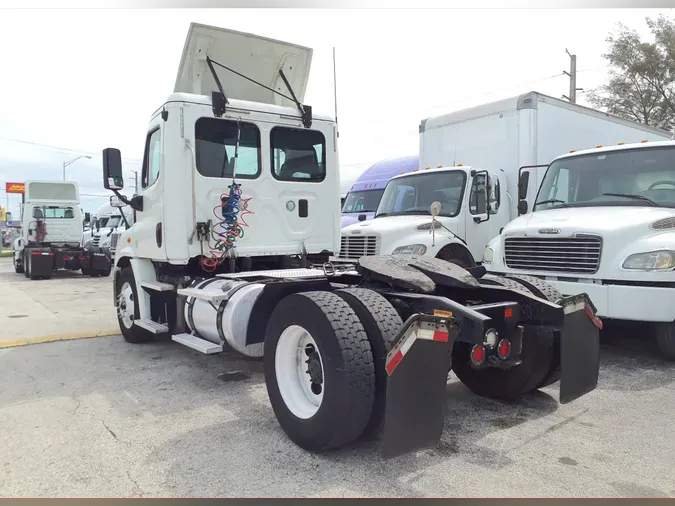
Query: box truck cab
(483,165)
(604,224)
(364,196)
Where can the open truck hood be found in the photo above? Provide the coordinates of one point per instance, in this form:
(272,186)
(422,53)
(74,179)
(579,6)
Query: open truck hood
(257,58)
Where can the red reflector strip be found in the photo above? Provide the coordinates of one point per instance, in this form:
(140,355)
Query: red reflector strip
(440,336)
(83,258)
(395,360)
(508,313)
(596,321)
(42,253)
(66,258)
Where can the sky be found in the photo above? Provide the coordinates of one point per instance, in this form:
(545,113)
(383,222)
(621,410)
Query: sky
(76,81)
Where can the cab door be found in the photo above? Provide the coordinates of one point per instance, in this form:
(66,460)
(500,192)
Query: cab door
(149,230)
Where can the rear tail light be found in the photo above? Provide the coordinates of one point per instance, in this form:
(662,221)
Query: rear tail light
(504,349)
(478,354)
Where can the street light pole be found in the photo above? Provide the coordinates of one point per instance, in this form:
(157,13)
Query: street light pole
(65,164)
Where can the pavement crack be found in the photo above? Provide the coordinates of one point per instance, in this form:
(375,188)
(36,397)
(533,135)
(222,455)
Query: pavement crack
(138,487)
(79,402)
(109,430)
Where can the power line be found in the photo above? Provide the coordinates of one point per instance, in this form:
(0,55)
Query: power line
(57,148)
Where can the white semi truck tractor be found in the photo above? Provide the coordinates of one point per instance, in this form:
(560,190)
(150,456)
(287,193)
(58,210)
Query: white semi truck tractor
(603,224)
(235,220)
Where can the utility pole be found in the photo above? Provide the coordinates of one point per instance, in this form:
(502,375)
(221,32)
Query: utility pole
(573,78)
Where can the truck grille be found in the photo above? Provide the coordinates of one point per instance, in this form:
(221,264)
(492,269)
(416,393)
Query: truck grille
(113,241)
(353,247)
(580,254)
(96,241)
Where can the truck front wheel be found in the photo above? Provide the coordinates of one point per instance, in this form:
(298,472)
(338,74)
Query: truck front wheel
(127,309)
(18,266)
(319,370)
(665,339)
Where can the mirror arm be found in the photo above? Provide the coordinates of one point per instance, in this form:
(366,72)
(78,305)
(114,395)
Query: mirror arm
(136,203)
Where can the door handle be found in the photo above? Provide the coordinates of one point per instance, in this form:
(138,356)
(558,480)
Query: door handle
(302,208)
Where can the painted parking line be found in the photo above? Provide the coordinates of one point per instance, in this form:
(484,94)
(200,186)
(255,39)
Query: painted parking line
(50,338)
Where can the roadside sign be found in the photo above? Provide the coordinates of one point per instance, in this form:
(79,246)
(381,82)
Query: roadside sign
(15,188)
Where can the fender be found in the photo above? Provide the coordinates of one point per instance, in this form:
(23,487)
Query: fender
(455,249)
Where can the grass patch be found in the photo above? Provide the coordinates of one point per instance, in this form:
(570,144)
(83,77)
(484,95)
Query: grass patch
(5,253)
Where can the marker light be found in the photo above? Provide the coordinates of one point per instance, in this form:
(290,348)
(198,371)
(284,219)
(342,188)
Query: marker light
(478,354)
(599,146)
(620,143)
(644,140)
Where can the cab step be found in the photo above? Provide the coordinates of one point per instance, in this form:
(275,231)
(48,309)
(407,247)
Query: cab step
(152,326)
(202,294)
(197,343)
(157,286)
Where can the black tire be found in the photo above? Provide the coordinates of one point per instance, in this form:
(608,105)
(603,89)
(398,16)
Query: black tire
(133,334)
(85,270)
(665,339)
(381,323)
(26,269)
(349,389)
(543,290)
(537,357)
(18,266)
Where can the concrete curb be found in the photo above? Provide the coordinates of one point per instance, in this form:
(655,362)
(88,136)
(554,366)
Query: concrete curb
(50,338)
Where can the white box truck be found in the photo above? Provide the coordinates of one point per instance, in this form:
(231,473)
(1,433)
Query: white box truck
(501,143)
(237,206)
(603,224)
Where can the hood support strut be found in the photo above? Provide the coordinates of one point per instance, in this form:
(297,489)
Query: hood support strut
(220,100)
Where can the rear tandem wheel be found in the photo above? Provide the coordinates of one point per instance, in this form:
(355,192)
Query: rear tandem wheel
(319,370)
(539,356)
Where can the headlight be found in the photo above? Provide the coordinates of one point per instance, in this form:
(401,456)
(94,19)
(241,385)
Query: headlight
(651,261)
(488,255)
(411,249)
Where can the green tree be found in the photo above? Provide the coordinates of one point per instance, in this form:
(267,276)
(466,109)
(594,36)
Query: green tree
(641,84)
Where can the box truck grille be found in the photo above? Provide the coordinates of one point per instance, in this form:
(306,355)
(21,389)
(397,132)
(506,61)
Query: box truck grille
(113,241)
(353,247)
(96,241)
(580,254)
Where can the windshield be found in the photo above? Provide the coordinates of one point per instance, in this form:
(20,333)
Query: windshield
(114,221)
(364,201)
(415,193)
(634,177)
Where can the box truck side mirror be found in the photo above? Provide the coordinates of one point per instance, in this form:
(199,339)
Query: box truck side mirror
(522,207)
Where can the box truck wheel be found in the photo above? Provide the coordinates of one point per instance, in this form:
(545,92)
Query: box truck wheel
(381,323)
(319,370)
(665,339)
(127,309)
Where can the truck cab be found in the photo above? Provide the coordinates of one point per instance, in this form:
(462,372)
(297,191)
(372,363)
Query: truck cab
(474,206)
(603,223)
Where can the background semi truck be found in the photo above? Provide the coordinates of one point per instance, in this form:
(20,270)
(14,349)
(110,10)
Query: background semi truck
(364,196)
(52,223)
(235,211)
(603,224)
(484,153)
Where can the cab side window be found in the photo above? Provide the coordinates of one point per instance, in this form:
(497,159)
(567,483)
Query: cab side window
(151,160)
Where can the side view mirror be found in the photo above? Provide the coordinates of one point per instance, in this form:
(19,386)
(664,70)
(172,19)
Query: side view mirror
(8,217)
(522,207)
(37,213)
(112,169)
(362,217)
(116,202)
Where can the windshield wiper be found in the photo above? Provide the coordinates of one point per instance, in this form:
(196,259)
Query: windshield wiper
(635,197)
(552,201)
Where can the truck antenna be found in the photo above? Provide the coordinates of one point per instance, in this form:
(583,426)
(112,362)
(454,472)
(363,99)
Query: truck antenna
(335,92)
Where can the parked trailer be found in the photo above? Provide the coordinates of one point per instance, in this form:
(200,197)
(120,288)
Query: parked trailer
(224,251)
(51,230)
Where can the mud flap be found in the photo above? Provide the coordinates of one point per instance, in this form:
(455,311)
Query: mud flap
(417,369)
(579,348)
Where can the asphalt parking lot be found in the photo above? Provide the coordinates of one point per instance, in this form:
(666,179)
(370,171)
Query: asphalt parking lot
(100,417)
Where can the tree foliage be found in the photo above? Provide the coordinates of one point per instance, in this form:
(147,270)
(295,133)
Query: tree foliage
(641,84)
